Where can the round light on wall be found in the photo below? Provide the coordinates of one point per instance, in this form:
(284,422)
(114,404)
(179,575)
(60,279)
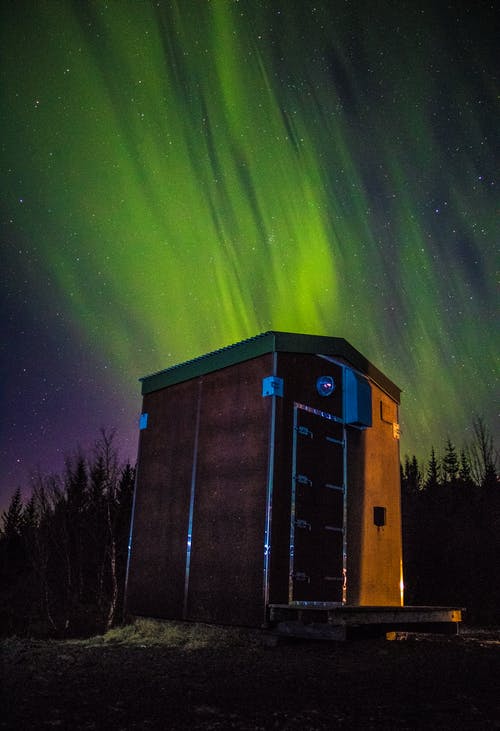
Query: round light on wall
(325,385)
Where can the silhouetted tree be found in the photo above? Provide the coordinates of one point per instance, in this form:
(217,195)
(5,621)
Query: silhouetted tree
(433,472)
(12,562)
(465,473)
(451,529)
(482,456)
(412,475)
(63,554)
(450,464)
(12,517)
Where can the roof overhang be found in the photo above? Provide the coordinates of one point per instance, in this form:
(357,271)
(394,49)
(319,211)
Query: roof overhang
(269,342)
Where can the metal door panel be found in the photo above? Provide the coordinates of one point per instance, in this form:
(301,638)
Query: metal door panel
(317,536)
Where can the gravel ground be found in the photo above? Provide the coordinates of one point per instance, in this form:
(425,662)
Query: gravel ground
(207,678)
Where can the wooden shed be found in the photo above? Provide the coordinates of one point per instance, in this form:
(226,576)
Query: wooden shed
(268,476)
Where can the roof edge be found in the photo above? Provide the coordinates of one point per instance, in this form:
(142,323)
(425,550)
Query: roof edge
(268,342)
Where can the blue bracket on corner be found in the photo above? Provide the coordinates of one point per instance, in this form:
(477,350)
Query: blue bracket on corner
(357,400)
(272,386)
(143,421)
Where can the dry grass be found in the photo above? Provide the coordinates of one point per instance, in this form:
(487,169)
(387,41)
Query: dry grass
(188,636)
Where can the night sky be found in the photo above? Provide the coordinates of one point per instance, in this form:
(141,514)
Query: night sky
(178,176)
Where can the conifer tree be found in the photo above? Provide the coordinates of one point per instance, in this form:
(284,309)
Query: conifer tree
(464,469)
(432,478)
(12,517)
(412,476)
(450,462)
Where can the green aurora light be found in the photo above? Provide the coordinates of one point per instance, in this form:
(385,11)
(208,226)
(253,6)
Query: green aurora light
(192,173)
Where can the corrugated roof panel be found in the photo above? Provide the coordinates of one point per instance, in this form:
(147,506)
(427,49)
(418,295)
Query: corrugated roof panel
(268,342)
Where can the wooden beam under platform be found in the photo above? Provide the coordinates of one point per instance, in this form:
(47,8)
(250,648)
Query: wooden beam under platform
(334,622)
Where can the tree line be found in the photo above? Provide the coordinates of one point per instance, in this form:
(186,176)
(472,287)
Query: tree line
(451,528)
(63,552)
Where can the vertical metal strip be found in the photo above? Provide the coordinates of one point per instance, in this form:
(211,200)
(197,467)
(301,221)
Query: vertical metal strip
(292,511)
(191,502)
(344,517)
(344,456)
(130,534)
(269,494)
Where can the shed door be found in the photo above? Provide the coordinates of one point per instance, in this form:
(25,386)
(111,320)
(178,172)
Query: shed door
(317,531)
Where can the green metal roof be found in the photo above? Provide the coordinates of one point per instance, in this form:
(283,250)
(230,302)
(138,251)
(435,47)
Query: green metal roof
(268,342)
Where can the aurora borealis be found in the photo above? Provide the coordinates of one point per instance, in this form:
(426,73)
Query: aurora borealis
(178,176)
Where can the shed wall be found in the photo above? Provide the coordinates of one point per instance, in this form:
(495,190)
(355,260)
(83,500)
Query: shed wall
(226,573)
(158,555)
(203,470)
(374,553)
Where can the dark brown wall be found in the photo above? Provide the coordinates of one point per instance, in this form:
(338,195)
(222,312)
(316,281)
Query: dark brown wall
(157,562)
(226,576)
(231,466)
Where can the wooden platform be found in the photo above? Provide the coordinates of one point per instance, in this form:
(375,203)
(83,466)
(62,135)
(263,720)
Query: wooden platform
(333,622)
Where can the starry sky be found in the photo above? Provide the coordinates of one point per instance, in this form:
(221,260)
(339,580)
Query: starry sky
(179,175)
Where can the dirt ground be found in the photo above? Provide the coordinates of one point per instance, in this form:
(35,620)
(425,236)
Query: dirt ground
(203,678)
